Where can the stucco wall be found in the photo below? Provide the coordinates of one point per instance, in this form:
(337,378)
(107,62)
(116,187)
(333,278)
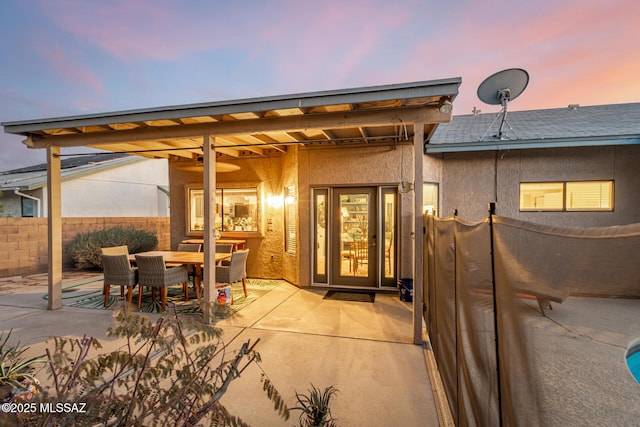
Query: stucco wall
(266,249)
(303,168)
(24,242)
(291,262)
(431,169)
(358,166)
(128,190)
(469,181)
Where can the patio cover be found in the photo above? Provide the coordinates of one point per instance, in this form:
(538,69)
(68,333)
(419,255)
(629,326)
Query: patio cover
(389,114)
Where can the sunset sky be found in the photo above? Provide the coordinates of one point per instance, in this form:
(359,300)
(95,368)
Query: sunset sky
(69,57)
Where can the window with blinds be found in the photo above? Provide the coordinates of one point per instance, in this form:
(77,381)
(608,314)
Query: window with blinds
(290,218)
(590,196)
(430,198)
(542,196)
(572,196)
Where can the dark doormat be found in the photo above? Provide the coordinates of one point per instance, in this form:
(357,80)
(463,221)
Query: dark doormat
(351,296)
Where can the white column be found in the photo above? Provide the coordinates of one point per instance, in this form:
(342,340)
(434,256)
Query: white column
(54,229)
(418,256)
(209,282)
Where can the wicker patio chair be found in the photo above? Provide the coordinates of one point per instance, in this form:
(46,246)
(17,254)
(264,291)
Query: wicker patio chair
(224,248)
(118,272)
(116,250)
(152,272)
(235,271)
(188,247)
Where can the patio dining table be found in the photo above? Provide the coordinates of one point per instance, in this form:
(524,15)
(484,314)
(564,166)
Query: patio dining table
(196,259)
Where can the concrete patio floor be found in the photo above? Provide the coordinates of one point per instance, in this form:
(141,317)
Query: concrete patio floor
(363,349)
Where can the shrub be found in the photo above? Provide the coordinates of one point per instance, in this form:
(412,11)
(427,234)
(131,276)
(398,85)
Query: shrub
(169,373)
(14,368)
(86,247)
(315,408)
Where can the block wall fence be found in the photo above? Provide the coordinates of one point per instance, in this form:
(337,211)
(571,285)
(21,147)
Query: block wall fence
(23,241)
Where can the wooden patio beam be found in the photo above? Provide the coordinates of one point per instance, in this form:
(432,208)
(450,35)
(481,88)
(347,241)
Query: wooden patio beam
(337,120)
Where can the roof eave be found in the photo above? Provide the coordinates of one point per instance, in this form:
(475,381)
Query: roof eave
(40,180)
(523,144)
(28,184)
(431,88)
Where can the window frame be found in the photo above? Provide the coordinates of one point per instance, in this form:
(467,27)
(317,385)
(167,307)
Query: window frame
(290,220)
(320,213)
(255,226)
(565,194)
(538,209)
(27,207)
(611,196)
(434,188)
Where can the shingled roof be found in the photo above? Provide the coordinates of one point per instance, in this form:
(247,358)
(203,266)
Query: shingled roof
(71,162)
(572,126)
(33,177)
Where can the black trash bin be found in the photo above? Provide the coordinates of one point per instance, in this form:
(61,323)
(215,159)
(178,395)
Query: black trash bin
(406,289)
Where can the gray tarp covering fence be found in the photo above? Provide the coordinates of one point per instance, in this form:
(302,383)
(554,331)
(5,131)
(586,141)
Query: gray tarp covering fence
(548,367)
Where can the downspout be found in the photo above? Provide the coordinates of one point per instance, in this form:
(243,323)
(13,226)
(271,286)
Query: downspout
(39,214)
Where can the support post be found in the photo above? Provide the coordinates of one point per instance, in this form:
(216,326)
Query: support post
(209,283)
(54,229)
(455,304)
(496,320)
(418,227)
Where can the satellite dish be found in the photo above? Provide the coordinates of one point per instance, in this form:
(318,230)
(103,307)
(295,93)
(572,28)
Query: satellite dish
(502,87)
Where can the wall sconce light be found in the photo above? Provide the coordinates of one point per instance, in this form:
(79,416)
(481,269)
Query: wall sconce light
(444,105)
(274,201)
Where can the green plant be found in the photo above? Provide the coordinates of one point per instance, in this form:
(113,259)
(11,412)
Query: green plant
(86,247)
(315,407)
(169,373)
(15,370)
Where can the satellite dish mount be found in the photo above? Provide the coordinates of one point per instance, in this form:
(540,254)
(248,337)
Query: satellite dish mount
(501,88)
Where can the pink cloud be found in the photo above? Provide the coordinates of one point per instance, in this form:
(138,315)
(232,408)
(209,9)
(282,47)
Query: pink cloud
(579,52)
(133,30)
(71,69)
(327,43)
(565,46)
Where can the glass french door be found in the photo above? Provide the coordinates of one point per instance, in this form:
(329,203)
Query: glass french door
(354,237)
(389,238)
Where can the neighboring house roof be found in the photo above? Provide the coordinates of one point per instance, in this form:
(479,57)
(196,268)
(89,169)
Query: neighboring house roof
(617,124)
(34,177)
